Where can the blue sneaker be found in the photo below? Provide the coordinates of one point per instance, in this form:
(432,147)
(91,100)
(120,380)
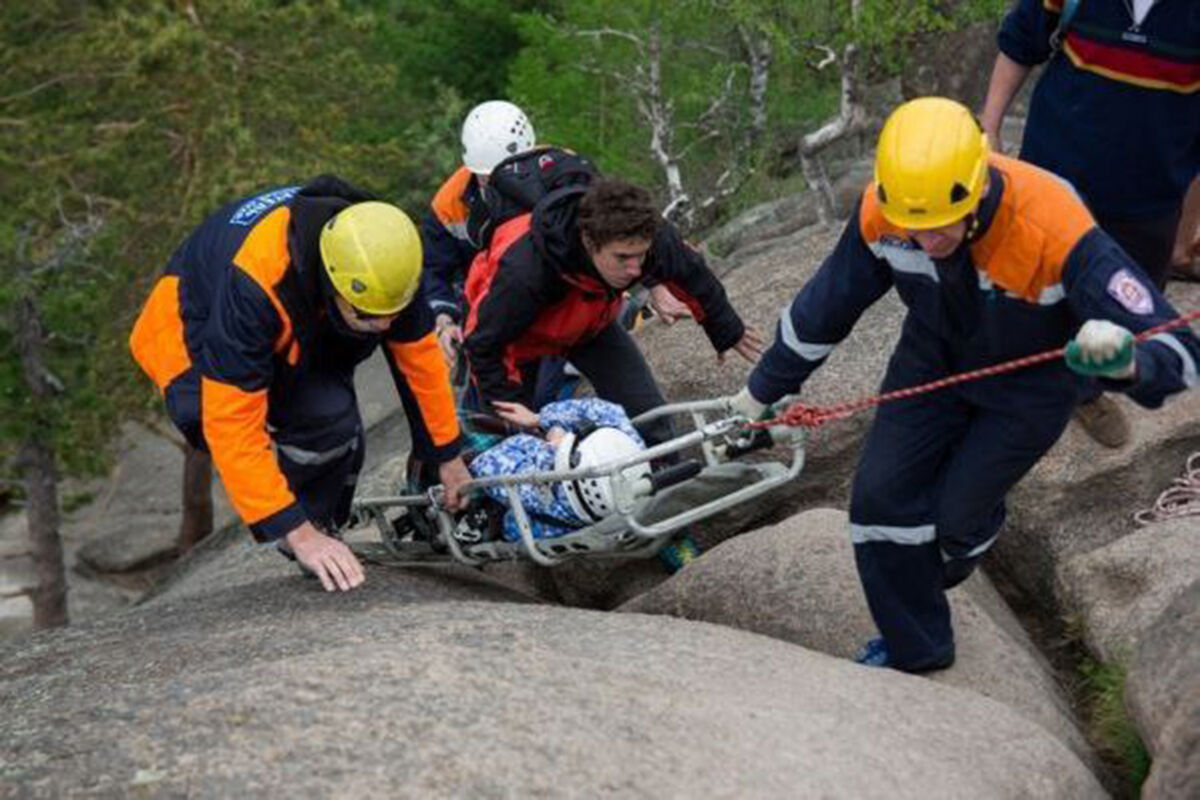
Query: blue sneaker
(874,654)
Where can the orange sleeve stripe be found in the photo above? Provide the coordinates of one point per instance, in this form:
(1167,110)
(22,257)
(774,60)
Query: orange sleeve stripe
(264,257)
(429,380)
(157,341)
(235,427)
(448,205)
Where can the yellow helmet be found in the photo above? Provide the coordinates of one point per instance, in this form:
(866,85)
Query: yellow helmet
(930,164)
(372,254)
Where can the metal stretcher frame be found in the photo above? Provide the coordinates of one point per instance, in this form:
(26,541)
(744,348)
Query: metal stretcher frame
(622,534)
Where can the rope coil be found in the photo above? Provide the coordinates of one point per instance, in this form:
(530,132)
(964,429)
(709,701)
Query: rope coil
(1181,499)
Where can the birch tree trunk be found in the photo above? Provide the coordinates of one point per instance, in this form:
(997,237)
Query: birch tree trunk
(668,146)
(759,54)
(658,113)
(851,117)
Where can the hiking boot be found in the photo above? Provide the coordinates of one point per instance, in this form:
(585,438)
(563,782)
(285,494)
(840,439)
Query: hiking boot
(681,551)
(1104,421)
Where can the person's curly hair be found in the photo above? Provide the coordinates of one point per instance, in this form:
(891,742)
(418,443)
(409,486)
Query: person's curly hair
(613,209)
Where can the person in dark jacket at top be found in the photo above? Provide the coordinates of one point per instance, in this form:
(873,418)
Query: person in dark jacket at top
(995,259)
(253,333)
(552,282)
(1116,112)
(463,214)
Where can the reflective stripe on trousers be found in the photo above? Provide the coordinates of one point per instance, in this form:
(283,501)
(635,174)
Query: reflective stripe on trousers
(311,458)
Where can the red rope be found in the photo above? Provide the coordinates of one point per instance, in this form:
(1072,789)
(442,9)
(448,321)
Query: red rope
(805,416)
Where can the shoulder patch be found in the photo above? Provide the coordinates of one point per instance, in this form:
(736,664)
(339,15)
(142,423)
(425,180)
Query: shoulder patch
(1130,292)
(252,209)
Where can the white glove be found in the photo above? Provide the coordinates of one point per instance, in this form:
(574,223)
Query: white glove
(744,404)
(1102,348)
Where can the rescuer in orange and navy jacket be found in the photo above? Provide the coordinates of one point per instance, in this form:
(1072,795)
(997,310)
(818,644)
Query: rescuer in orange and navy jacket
(551,283)
(448,246)
(253,334)
(995,259)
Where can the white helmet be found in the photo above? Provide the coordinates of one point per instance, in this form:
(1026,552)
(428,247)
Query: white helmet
(492,132)
(592,499)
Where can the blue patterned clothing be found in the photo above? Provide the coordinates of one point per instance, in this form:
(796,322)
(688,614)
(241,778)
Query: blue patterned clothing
(549,511)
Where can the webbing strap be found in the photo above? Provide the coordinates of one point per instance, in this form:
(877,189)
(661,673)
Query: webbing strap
(1069,8)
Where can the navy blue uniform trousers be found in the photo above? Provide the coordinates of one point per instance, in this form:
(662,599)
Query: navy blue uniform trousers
(316,429)
(928,496)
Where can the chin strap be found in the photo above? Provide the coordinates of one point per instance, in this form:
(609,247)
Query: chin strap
(340,327)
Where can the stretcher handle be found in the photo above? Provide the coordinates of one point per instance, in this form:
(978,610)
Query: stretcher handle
(697,513)
(676,473)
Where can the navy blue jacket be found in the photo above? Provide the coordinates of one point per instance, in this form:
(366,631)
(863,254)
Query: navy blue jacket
(1117,109)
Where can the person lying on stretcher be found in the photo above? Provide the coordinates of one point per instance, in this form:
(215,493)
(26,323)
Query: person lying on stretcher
(564,435)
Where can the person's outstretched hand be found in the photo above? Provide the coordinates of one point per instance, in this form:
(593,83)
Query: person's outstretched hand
(516,413)
(749,347)
(667,306)
(326,557)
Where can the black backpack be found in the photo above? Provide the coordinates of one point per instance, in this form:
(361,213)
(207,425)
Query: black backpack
(521,183)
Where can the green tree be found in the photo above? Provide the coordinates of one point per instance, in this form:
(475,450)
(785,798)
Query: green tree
(464,45)
(585,79)
(686,96)
(148,116)
(582,74)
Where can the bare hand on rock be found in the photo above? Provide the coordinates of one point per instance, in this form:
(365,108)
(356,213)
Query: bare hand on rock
(326,557)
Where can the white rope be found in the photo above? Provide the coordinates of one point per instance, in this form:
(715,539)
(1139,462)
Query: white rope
(1181,499)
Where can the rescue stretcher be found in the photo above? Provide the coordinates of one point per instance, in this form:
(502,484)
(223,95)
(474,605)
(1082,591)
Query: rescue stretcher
(416,529)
